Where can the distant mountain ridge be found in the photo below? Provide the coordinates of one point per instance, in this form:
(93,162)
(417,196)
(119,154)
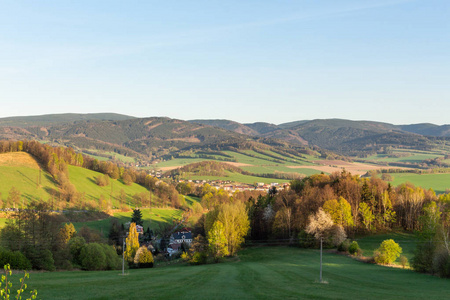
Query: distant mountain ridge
(25,121)
(158,136)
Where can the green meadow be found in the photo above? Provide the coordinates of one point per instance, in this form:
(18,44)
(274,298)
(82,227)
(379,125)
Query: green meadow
(411,156)
(438,182)
(257,273)
(407,242)
(84,181)
(25,180)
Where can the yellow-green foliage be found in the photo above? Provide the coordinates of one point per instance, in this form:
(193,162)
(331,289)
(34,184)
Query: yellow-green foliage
(388,252)
(217,240)
(143,256)
(132,243)
(235,223)
(67,232)
(340,211)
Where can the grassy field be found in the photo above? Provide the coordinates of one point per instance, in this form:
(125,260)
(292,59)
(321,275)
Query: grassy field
(438,182)
(407,241)
(258,273)
(411,156)
(20,170)
(84,181)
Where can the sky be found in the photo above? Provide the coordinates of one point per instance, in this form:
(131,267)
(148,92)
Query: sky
(246,60)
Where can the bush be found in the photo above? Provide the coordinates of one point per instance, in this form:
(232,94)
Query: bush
(353,248)
(113,261)
(76,244)
(143,258)
(93,257)
(388,252)
(15,259)
(403,261)
(199,258)
(423,257)
(41,259)
(344,246)
(306,240)
(441,263)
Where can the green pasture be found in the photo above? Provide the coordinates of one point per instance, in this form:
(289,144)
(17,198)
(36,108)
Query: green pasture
(84,181)
(412,156)
(407,241)
(176,162)
(438,182)
(279,168)
(258,273)
(25,180)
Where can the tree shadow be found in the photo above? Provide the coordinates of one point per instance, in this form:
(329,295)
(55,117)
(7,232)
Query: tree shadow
(26,177)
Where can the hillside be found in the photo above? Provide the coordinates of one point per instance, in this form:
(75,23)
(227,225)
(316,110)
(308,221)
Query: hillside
(156,139)
(43,120)
(22,171)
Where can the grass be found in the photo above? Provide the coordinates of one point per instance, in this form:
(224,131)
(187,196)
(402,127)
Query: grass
(438,182)
(258,273)
(414,156)
(20,170)
(84,181)
(407,241)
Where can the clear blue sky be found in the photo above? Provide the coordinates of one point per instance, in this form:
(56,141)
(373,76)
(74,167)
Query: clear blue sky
(271,61)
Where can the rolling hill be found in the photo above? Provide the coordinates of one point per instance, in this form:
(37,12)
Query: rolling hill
(157,138)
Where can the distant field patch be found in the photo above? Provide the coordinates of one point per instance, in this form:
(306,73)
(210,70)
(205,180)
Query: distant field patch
(438,182)
(330,166)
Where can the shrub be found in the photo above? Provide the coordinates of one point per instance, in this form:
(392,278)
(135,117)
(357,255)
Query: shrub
(388,252)
(93,257)
(199,258)
(113,261)
(344,246)
(15,259)
(76,244)
(403,261)
(353,248)
(41,259)
(423,257)
(441,263)
(143,258)
(306,240)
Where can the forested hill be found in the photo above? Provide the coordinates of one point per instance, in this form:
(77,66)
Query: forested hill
(53,119)
(158,137)
(348,137)
(147,137)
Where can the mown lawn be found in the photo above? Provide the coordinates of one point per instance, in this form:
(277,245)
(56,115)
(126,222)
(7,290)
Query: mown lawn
(258,273)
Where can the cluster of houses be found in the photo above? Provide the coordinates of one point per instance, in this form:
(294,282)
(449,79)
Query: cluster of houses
(177,239)
(232,187)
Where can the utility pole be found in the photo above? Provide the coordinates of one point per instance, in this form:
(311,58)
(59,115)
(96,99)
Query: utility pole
(123,257)
(321,239)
